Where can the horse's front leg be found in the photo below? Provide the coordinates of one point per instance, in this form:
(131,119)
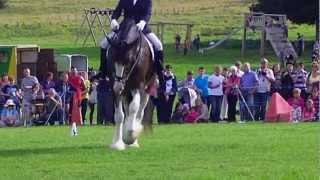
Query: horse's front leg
(117,142)
(132,127)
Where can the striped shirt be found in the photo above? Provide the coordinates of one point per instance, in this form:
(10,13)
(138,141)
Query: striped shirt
(300,79)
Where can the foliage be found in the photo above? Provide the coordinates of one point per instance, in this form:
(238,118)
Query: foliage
(298,11)
(3,3)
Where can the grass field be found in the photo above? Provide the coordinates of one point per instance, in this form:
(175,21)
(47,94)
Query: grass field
(206,151)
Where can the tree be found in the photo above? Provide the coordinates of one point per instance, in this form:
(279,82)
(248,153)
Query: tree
(297,11)
(3,3)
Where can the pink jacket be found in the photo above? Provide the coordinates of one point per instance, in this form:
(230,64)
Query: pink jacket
(296,102)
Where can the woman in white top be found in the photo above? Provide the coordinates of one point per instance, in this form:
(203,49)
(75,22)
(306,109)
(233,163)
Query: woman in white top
(313,77)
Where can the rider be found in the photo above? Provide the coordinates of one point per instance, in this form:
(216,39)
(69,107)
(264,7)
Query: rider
(140,11)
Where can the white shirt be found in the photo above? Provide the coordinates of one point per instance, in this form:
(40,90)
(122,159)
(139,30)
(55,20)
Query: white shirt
(264,83)
(134,2)
(214,81)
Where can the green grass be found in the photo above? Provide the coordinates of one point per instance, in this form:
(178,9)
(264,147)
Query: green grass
(206,151)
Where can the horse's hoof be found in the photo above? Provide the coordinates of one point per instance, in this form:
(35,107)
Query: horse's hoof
(134,145)
(118,146)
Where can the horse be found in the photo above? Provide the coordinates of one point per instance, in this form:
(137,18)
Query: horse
(131,63)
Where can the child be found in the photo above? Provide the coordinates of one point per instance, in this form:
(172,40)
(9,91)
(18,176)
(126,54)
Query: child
(297,103)
(309,111)
(192,116)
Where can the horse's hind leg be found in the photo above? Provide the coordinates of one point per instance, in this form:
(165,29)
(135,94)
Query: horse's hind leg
(117,142)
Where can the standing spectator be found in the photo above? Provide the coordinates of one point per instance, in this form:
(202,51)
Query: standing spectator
(315,96)
(54,107)
(201,83)
(232,88)
(178,42)
(85,96)
(313,78)
(216,93)
(48,83)
(65,91)
(266,77)
(93,99)
(77,83)
(276,86)
(300,80)
(4,80)
(287,81)
(167,95)
(300,44)
(9,115)
(297,103)
(189,82)
(28,82)
(238,65)
(105,103)
(248,86)
(197,42)
(224,105)
(186,47)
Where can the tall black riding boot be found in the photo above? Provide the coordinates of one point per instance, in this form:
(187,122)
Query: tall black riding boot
(159,65)
(103,64)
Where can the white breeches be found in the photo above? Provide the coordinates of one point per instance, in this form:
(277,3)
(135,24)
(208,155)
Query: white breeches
(155,41)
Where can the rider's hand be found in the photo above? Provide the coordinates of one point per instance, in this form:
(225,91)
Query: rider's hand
(141,25)
(114,25)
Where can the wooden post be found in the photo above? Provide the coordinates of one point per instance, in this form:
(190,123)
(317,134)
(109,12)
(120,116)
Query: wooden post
(162,32)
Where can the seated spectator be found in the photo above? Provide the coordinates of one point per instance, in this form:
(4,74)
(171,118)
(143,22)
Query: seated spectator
(54,107)
(180,113)
(192,116)
(203,111)
(11,91)
(309,111)
(10,115)
(297,103)
(37,92)
(48,83)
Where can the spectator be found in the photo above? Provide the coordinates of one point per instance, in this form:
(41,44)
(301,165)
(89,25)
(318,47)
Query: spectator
(238,64)
(232,88)
(203,111)
(313,78)
(309,111)
(11,91)
(224,105)
(248,86)
(297,103)
(48,83)
(316,101)
(192,116)
(37,92)
(300,44)
(105,103)
(266,77)
(65,91)
(188,83)
(28,82)
(287,82)
(201,83)
(10,115)
(54,107)
(85,96)
(216,93)
(178,42)
(276,86)
(4,80)
(166,97)
(300,80)
(93,99)
(197,42)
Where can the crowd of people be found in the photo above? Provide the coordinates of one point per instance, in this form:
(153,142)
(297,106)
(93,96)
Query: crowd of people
(64,102)
(216,97)
(204,98)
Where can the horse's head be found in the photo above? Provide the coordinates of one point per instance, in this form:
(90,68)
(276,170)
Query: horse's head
(127,34)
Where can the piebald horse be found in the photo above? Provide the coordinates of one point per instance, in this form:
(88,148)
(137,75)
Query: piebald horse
(132,69)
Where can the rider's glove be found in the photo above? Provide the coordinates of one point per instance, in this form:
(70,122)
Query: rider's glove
(141,25)
(114,25)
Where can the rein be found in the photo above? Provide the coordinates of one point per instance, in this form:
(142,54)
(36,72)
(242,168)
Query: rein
(124,80)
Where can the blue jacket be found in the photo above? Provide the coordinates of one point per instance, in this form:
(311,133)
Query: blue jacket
(202,84)
(142,10)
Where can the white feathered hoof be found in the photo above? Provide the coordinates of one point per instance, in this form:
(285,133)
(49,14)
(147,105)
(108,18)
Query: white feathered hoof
(130,137)
(120,146)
